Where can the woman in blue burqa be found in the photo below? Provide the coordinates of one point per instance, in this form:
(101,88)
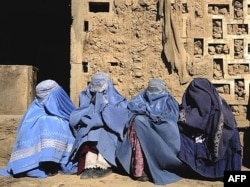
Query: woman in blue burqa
(98,123)
(43,139)
(210,142)
(152,141)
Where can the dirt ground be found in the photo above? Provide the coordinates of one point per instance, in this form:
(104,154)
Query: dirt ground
(7,136)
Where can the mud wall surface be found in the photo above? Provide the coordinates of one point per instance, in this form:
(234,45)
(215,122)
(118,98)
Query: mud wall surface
(17,85)
(136,40)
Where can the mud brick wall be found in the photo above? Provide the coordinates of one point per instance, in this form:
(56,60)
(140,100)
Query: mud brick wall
(218,37)
(17,85)
(124,38)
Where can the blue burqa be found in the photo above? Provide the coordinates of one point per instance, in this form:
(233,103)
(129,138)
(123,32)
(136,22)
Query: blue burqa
(155,118)
(99,120)
(210,141)
(43,134)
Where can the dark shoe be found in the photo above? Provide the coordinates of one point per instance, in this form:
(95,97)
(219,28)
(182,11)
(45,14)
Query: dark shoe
(51,172)
(87,173)
(50,168)
(99,172)
(143,178)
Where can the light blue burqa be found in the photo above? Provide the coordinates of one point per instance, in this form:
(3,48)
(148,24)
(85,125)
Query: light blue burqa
(100,118)
(154,113)
(43,133)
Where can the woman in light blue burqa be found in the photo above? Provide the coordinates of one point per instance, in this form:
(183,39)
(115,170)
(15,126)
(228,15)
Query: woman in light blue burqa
(98,123)
(43,139)
(150,146)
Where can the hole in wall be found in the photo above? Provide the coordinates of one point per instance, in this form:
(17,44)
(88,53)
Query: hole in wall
(98,7)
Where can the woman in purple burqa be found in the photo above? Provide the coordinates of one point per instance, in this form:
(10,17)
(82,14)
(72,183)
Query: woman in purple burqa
(152,141)
(210,141)
(43,139)
(98,123)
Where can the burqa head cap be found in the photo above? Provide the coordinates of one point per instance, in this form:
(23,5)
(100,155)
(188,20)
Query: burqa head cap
(156,86)
(99,82)
(44,88)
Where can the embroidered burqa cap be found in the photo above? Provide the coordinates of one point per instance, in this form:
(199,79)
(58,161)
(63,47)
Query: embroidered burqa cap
(44,88)
(156,86)
(99,82)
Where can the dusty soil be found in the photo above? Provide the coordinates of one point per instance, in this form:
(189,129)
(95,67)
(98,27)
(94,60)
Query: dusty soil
(7,136)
